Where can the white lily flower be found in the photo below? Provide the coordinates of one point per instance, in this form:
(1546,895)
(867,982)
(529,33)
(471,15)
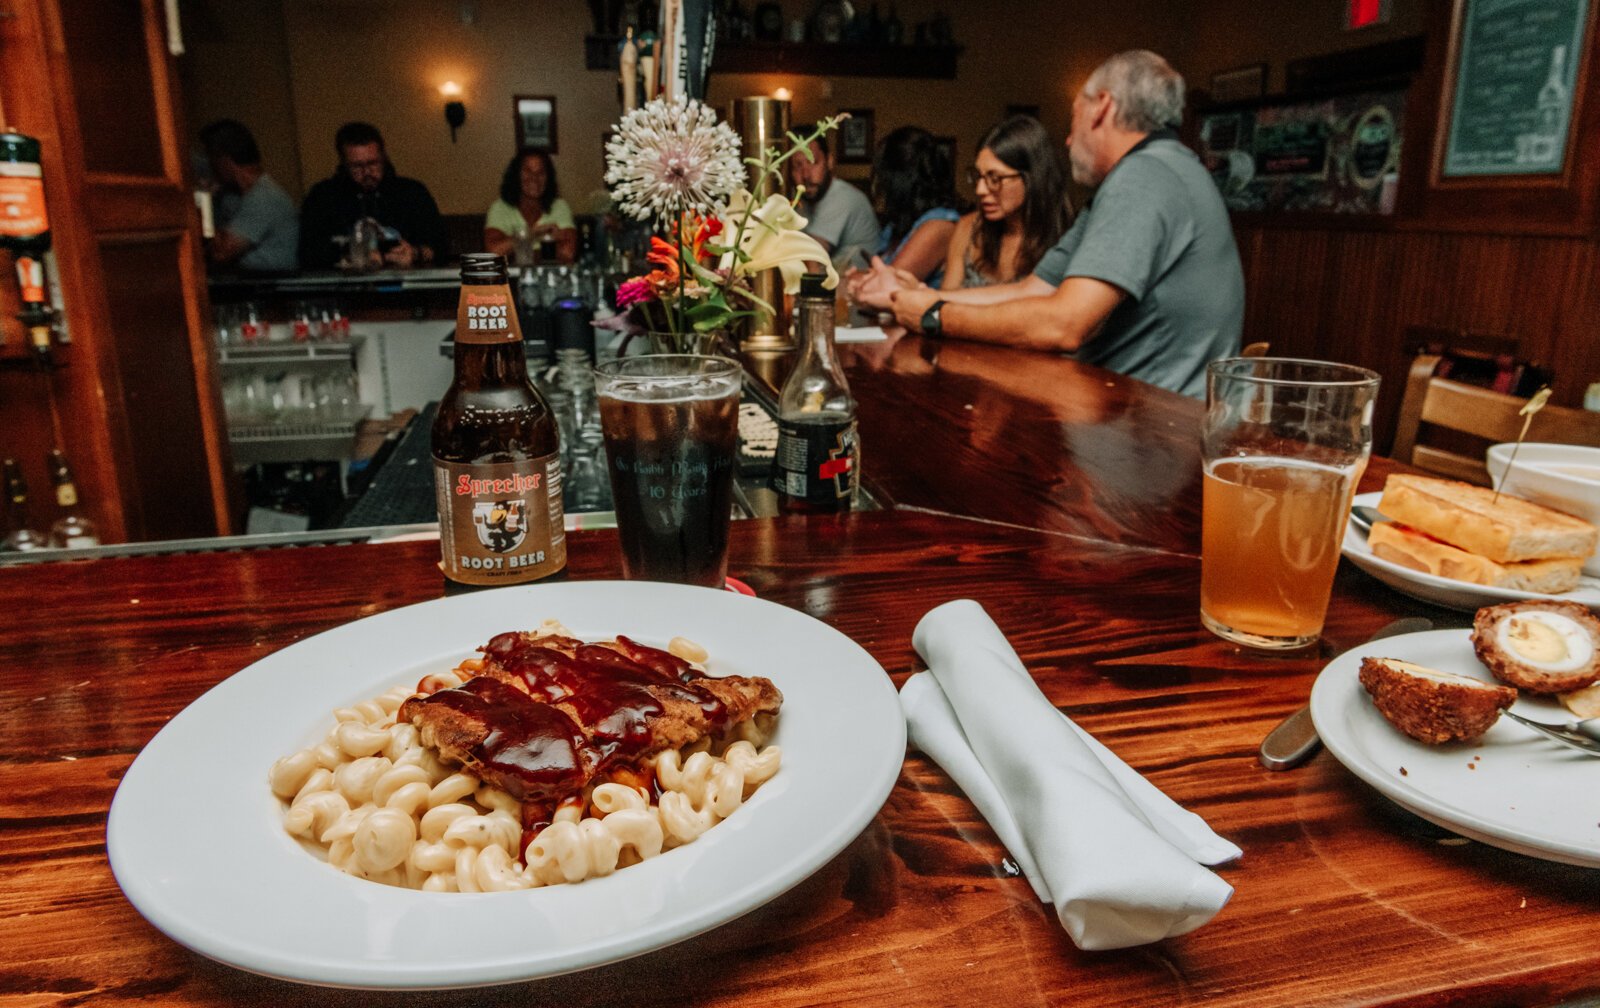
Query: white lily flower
(773,238)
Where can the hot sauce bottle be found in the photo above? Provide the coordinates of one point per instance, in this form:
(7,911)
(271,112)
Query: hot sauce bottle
(496,447)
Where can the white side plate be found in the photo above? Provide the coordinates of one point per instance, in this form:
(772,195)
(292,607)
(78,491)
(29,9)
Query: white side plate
(1447,592)
(1513,788)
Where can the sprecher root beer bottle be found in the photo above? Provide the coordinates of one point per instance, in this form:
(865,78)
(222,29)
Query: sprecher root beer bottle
(496,446)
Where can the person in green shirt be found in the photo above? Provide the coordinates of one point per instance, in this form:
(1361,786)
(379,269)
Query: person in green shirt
(530,203)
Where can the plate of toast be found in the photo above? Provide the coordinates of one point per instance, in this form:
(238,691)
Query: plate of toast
(1463,546)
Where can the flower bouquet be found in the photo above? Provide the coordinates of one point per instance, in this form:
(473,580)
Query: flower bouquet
(673,163)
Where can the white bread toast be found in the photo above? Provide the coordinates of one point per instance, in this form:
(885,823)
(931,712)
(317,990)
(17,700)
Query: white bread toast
(1408,548)
(1505,530)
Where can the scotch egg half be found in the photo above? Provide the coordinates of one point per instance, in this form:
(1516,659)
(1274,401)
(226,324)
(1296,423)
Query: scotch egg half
(1541,646)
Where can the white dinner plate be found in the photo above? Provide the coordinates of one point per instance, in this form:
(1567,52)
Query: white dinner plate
(196,841)
(1513,788)
(1447,592)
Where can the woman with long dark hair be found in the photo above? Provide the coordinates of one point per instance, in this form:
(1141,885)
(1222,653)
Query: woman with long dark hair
(914,196)
(1023,208)
(530,203)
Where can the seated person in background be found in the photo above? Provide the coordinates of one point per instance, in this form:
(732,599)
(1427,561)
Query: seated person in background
(1022,207)
(1147,282)
(257,227)
(838,215)
(530,203)
(911,185)
(365,186)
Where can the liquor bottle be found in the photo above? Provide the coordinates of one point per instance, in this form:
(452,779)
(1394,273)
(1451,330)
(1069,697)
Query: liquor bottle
(72,530)
(22,536)
(25,232)
(818,457)
(496,447)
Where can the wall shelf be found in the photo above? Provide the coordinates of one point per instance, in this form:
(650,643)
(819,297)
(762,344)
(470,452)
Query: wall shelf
(814,59)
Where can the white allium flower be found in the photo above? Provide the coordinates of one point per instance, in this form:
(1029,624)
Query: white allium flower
(669,157)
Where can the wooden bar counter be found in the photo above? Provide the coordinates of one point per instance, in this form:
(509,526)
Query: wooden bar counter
(1069,502)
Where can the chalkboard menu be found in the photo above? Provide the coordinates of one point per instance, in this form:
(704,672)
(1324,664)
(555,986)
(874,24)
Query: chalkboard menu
(1515,73)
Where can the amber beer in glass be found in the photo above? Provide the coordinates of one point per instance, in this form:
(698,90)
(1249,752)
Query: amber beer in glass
(671,426)
(496,447)
(1283,445)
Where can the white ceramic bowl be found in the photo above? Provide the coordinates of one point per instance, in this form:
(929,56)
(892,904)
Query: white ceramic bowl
(1563,477)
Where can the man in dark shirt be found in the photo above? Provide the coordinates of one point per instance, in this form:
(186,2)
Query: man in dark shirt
(411,232)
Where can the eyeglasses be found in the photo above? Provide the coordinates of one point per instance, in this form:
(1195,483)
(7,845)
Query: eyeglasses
(991,179)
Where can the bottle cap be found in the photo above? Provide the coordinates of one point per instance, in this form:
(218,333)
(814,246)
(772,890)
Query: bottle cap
(483,266)
(811,286)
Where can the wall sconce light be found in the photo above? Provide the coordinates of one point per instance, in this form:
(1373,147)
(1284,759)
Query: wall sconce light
(455,112)
(782,94)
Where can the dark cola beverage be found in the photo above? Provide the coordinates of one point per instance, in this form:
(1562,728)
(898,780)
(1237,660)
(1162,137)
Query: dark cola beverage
(671,425)
(496,447)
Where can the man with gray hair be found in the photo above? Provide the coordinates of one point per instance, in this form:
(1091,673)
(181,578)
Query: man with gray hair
(1147,280)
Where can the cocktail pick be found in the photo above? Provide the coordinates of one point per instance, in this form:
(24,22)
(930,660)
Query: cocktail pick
(1532,406)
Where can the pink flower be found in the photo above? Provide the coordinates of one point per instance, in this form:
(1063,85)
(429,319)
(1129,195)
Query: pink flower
(631,292)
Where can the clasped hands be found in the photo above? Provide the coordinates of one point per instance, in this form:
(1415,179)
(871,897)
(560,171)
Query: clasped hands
(888,289)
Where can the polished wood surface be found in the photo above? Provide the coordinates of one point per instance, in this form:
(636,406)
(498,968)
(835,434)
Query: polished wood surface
(1341,898)
(1031,439)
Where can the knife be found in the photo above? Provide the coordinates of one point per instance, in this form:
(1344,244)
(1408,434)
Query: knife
(1295,739)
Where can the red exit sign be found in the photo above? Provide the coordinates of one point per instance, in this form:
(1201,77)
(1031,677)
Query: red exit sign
(1363,13)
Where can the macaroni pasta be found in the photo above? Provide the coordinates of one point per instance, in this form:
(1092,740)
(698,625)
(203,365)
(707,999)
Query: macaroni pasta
(383,807)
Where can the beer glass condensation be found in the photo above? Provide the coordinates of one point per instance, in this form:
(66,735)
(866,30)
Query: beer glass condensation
(671,427)
(1284,444)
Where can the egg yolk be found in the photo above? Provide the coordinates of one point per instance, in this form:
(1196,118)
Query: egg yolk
(1535,641)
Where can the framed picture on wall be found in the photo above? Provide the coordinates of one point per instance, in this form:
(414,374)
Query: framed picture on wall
(1239,84)
(855,137)
(536,121)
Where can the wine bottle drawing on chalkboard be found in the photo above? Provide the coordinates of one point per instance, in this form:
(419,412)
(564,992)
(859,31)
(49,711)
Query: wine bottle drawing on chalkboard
(1542,144)
(1553,96)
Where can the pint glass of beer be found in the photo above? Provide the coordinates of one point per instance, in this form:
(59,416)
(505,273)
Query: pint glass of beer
(1283,445)
(671,426)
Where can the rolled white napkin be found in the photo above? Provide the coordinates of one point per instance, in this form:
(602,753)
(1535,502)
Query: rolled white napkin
(1120,861)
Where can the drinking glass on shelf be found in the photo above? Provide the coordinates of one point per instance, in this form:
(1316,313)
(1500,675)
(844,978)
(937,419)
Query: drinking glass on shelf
(1283,445)
(336,397)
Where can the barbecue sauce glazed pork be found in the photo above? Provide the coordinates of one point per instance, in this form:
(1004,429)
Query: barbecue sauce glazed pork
(547,716)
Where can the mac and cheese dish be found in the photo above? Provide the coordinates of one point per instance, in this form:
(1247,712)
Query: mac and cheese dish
(546,760)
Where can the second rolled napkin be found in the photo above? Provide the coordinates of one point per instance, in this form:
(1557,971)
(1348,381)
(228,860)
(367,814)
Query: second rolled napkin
(1120,861)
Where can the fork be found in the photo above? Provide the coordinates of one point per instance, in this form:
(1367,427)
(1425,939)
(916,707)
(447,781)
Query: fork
(1584,735)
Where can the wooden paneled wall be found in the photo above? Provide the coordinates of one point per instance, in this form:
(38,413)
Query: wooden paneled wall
(1349,294)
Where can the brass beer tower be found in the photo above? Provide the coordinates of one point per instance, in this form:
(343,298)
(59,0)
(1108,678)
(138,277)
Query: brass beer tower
(763,122)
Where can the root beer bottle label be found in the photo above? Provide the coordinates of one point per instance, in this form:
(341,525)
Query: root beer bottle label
(496,447)
(504,522)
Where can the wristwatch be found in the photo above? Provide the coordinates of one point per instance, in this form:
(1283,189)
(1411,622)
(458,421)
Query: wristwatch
(931,326)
